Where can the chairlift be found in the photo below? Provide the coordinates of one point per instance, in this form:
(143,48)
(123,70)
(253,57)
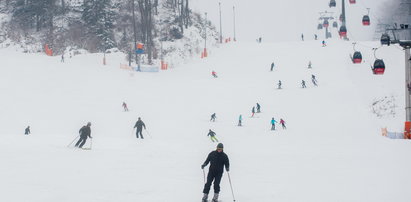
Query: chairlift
(366,18)
(332,3)
(320,26)
(379,67)
(357,57)
(326,24)
(343,32)
(385,39)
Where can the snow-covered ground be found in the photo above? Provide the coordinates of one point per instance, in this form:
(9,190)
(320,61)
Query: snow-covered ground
(331,151)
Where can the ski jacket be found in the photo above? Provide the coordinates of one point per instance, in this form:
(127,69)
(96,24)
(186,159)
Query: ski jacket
(253,110)
(85,131)
(211,133)
(27,131)
(282,121)
(258,106)
(240,118)
(139,125)
(217,161)
(273,121)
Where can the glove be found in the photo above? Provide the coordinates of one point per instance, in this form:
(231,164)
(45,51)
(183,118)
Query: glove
(202,166)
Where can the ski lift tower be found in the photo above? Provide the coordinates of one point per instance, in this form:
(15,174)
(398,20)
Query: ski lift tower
(326,17)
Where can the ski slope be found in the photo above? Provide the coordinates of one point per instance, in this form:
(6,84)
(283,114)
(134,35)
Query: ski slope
(331,151)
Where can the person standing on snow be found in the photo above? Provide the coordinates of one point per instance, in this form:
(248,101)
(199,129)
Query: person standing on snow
(62,58)
(27,130)
(314,80)
(217,159)
(258,108)
(213,117)
(282,122)
(214,74)
(139,125)
(212,135)
(302,37)
(315,36)
(323,42)
(85,132)
(303,84)
(253,112)
(272,66)
(240,120)
(309,65)
(125,107)
(279,84)
(273,121)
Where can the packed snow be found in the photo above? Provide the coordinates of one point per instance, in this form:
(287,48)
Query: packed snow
(332,149)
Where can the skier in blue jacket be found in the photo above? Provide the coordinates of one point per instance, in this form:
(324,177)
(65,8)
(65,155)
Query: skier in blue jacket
(273,121)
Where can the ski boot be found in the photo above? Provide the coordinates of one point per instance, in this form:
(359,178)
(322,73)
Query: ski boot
(215,198)
(205,198)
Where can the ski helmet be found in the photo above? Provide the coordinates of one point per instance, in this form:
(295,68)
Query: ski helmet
(220,146)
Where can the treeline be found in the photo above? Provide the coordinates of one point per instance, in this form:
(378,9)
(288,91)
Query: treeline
(97,25)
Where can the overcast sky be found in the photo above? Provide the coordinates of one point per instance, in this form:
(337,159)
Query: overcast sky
(285,20)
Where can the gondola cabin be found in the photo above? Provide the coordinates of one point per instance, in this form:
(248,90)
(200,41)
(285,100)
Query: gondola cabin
(357,57)
(366,20)
(379,67)
(343,32)
(320,26)
(332,3)
(385,39)
(326,23)
(352,2)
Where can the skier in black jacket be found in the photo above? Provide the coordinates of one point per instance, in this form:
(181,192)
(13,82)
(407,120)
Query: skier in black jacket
(139,125)
(217,159)
(85,132)
(27,130)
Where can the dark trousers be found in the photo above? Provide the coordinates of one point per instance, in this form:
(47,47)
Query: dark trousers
(80,143)
(272,126)
(284,127)
(140,131)
(216,176)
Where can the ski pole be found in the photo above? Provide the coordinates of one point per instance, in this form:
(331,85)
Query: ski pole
(229,178)
(73,141)
(91,143)
(204,176)
(148,133)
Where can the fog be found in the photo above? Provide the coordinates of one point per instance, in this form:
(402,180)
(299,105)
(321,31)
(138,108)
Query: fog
(276,20)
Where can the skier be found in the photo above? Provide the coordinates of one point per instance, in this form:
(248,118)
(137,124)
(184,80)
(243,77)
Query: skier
(314,80)
(324,43)
(27,130)
(240,120)
(212,135)
(213,116)
(282,122)
(302,37)
(62,58)
(258,108)
(139,125)
(217,159)
(260,39)
(303,84)
(315,36)
(272,66)
(253,112)
(125,107)
(85,132)
(273,121)
(214,74)
(279,84)
(309,65)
